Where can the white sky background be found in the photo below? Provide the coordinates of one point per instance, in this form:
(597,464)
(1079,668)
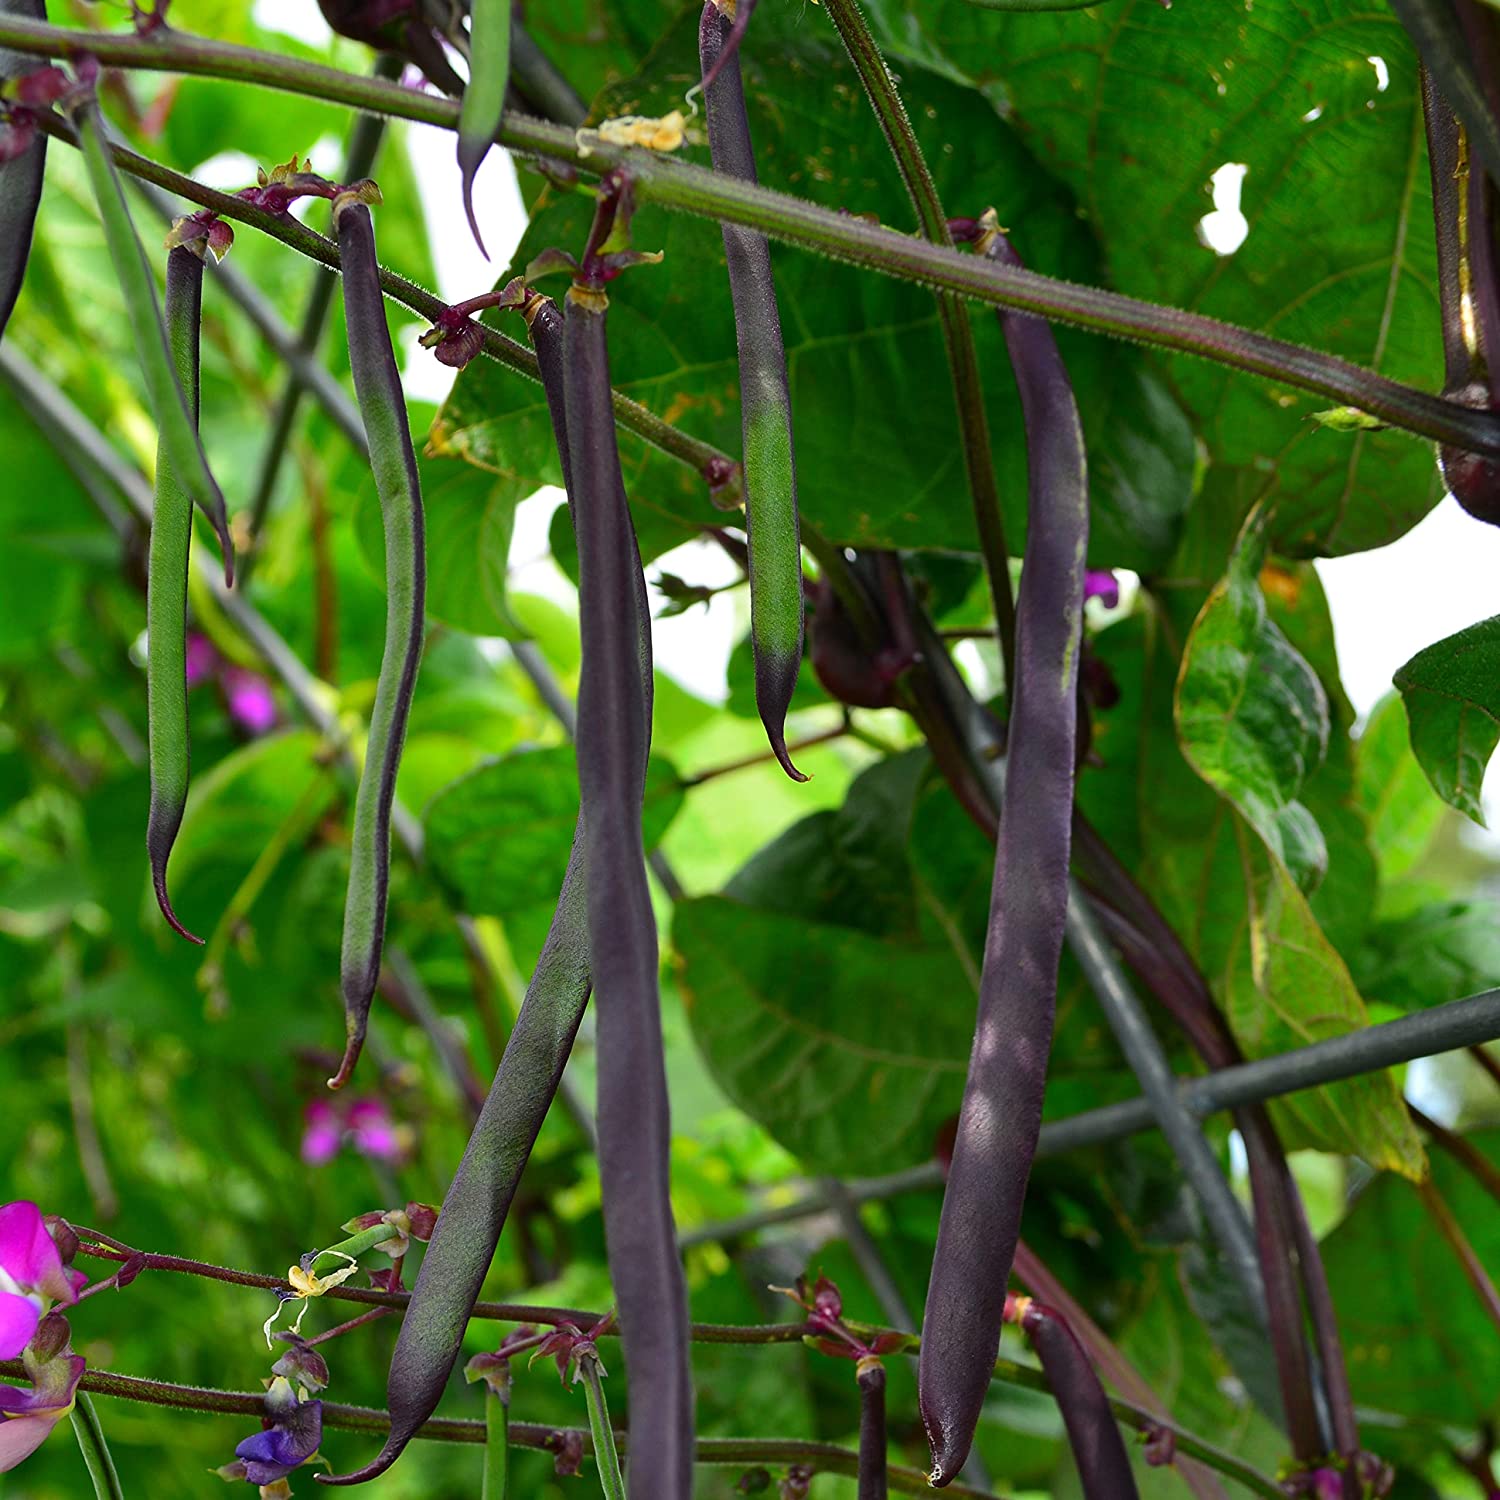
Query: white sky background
(1387,604)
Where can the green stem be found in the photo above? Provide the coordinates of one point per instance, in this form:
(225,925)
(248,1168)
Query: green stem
(611,1480)
(958,335)
(696,190)
(496,1445)
(95,1450)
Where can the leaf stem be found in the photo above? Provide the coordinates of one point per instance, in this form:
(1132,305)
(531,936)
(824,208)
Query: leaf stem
(1450,1229)
(611,1480)
(693,189)
(958,334)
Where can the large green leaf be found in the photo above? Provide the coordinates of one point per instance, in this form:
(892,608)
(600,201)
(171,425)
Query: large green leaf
(673,341)
(1406,1310)
(1136,106)
(1252,716)
(1398,800)
(499,837)
(1452,696)
(849,1049)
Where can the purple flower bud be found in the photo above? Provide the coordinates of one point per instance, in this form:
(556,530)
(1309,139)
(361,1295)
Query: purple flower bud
(304,1365)
(1101,584)
(422,1219)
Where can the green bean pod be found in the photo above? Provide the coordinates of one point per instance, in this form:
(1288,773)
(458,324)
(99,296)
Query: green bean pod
(166,593)
(765,404)
(20,177)
(177,429)
(484,97)
(382,408)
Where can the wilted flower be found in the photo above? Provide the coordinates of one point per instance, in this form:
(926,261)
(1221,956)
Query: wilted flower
(32,1276)
(293,1430)
(27,1417)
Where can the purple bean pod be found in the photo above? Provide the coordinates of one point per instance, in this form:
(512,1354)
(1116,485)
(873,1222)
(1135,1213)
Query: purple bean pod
(382,407)
(614,728)
(770,472)
(1093,1434)
(20,176)
(1002,1105)
(873,1479)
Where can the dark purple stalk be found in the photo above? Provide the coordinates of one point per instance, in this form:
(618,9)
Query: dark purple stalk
(1098,1449)
(382,407)
(614,729)
(20,176)
(1002,1105)
(770,475)
(873,1478)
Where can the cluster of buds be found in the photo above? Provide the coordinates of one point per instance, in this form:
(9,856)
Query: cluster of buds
(826,1330)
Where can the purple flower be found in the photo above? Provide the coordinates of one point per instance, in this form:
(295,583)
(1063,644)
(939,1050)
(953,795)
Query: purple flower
(293,1430)
(202,659)
(251,705)
(365,1124)
(27,1417)
(32,1276)
(1101,584)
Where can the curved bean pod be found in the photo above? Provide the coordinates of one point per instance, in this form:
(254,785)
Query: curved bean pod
(765,401)
(1002,1103)
(382,408)
(479,1198)
(614,729)
(873,1481)
(484,97)
(1093,1433)
(166,593)
(20,177)
(177,429)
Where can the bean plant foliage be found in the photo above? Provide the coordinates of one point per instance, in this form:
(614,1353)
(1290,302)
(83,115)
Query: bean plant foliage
(412,989)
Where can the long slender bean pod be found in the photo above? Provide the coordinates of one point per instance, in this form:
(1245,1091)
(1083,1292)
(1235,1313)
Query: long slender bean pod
(20,176)
(166,592)
(1093,1434)
(382,407)
(496,1477)
(613,740)
(738,13)
(765,401)
(606,1457)
(479,1198)
(484,97)
(874,1483)
(1002,1105)
(177,429)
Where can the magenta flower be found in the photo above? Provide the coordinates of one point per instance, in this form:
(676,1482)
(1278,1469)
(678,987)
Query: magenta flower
(251,704)
(32,1276)
(1101,584)
(202,659)
(28,1417)
(365,1124)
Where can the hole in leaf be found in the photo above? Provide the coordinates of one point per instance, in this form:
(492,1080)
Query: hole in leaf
(1224,230)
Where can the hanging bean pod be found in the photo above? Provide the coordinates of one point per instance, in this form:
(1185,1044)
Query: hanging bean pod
(178,431)
(1093,1433)
(166,591)
(382,408)
(20,175)
(1002,1104)
(614,729)
(765,401)
(484,97)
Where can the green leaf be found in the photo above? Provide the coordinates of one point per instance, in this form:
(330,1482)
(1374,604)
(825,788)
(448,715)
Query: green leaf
(849,1049)
(1411,1322)
(499,837)
(1398,800)
(672,339)
(1252,717)
(1452,696)
(1136,113)
(1284,985)
(1442,951)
